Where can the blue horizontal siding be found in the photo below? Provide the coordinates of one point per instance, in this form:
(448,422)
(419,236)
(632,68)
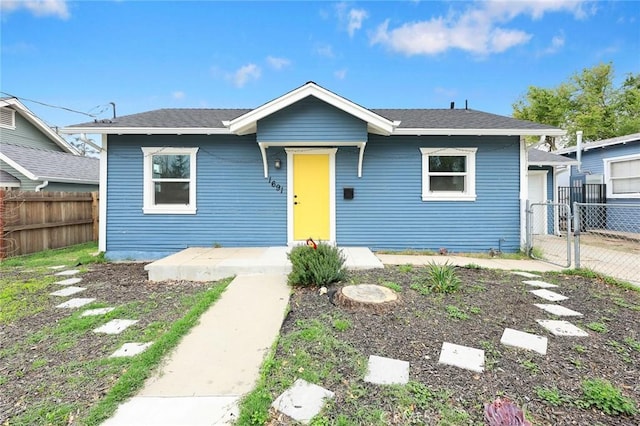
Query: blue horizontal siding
(236,206)
(311,120)
(387,211)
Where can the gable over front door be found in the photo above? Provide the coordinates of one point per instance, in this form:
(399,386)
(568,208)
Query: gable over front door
(311,194)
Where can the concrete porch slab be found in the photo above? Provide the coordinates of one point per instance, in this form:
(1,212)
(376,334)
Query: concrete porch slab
(210,264)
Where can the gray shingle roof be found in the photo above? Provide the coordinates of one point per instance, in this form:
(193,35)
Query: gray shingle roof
(52,165)
(633,137)
(409,118)
(536,156)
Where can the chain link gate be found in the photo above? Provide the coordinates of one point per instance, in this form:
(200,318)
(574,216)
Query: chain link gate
(607,239)
(549,232)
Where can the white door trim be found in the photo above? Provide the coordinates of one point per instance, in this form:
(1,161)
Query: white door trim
(332,190)
(538,174)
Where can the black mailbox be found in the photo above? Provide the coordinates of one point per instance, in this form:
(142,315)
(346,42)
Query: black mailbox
(348,193)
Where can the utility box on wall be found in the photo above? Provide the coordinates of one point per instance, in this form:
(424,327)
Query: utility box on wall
(348,193)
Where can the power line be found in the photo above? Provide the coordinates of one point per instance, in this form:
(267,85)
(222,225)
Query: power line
(52,106)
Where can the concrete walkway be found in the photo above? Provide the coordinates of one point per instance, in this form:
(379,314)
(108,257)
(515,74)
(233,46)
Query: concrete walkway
(491,263)
(217,362)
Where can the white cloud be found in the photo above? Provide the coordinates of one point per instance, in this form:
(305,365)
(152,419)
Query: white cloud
(340,74)
(246,73)
(356,16)
(38,8)
(278,63)
(325,50)
(557,42)
(350,18)
(178,95)
(479,29)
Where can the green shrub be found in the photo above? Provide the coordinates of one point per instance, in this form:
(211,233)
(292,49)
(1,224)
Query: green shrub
(321,266)
(606,397)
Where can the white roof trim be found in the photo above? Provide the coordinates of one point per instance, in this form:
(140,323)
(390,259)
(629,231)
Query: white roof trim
(39,124)
(479,132)
(147,130)
(586,146)
(553,163)
(246,123)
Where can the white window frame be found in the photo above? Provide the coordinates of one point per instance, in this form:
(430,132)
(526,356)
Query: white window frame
(608,179)
(12,113)
(469,193)
(149,207)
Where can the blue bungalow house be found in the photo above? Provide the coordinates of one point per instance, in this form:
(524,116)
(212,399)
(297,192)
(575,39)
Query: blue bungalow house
(311,163)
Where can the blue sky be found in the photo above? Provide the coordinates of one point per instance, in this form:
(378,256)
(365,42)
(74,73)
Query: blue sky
(145,55)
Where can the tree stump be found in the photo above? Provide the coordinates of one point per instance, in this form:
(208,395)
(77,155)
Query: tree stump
(368,297)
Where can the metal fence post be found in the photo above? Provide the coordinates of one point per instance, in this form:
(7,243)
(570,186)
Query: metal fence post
(527,221)
(576,233)
(569,218)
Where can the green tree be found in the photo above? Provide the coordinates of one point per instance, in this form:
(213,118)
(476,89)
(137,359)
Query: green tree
(588,101)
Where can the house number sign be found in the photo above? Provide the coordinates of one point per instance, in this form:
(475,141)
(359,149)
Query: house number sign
(275,185)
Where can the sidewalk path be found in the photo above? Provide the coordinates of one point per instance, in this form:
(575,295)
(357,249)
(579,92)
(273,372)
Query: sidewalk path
(217,362)
(492,263)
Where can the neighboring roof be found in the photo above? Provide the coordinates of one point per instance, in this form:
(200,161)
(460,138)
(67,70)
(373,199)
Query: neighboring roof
(380,121)
(537,157)
(634,137)
(7,179)
(19,107)
(54,166)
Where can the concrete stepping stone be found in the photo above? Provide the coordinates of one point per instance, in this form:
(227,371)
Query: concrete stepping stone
(55,268)
(130,349)
(462,357)
(558,310)
(76,302)
(549,295)
(67,273)
(562,328)
(302,401)
(115,326)
(522,340)
(387,371)
(525,274)
(69,281)
(68,291)
(541,284)
(96,312)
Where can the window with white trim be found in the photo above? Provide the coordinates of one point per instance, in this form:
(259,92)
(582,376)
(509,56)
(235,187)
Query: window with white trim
(448,174)
(622,176)
(169,180)
(7,118)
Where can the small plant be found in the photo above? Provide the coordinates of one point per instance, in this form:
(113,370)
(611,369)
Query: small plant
(503,412)
(455,313)
(633,344)
(552,396)
(576,363)
(440,278)
(472,266)
(531,366)
(341,324)
(580,349)
(321,265)
(405,269)
(598,327)
(604,396)
(475,310)
(393,286)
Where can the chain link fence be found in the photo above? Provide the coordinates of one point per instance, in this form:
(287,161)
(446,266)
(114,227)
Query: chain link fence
(549,232)
(607,239)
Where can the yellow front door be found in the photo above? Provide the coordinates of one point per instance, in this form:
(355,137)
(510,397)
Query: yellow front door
(311,197)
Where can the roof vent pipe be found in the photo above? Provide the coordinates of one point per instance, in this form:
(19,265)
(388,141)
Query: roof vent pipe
(113,104)
(453,105)
(466,104)
(579,150)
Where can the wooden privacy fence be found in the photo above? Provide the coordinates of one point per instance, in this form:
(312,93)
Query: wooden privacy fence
(36,221)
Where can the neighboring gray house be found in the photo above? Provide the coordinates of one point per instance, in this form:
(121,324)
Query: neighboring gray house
(35,158)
